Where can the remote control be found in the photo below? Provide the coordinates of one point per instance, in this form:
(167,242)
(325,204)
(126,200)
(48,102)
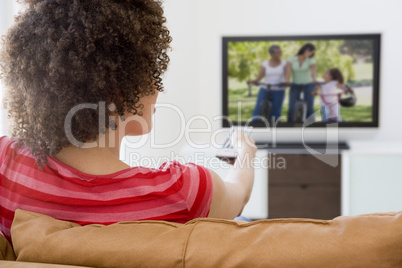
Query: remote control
(228,153)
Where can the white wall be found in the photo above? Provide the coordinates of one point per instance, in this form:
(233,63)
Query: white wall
(197,27)
(375,183)
(8,8)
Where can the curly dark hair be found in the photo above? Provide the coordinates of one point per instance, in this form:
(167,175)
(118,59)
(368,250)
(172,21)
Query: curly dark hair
(337,75)
(60,54)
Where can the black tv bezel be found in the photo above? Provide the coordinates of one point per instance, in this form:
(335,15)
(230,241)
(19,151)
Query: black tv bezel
(376,37)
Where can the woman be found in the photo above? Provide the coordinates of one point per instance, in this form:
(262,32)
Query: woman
(303,70)
(81,75)
(273,70)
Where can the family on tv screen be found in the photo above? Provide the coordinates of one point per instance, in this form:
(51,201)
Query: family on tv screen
(298,80)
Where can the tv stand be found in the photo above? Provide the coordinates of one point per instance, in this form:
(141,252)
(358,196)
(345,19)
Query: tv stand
(302,146)
(307,187)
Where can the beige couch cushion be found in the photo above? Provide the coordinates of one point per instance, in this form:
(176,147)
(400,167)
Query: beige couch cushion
(18,264)
(360,241)
(6,251)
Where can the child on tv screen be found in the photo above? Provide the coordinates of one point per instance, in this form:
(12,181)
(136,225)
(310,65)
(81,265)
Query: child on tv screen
(329,95)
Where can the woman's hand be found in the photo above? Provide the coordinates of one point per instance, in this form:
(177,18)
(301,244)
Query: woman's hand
(315,92)
(288,71)
(260,76)
(232,194)
(313,71)
(243,143)
(252,82)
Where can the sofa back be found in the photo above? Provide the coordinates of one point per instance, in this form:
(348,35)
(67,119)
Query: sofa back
(361,241)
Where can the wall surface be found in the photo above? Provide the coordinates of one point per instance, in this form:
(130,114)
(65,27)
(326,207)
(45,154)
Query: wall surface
(7,10)
(375,183)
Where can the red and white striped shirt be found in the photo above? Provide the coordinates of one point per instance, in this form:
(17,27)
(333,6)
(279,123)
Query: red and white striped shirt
(173,192)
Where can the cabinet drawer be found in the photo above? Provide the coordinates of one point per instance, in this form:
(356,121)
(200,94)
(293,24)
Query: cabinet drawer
(302,168)
(304,201)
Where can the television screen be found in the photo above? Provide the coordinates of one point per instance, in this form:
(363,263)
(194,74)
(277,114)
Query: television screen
(290,80)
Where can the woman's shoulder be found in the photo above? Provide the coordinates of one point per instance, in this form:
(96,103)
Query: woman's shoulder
(293,60)
(188,172)
(189,167)
(311,61)
(5,143)
(265,63)
(197,186)
(4,140)
(11,147)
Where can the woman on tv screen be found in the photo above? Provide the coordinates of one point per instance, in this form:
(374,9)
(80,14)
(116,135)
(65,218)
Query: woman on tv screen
(274,71)
(303,69)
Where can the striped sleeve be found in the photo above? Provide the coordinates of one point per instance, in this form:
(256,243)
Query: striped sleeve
(197,188)
(4,142)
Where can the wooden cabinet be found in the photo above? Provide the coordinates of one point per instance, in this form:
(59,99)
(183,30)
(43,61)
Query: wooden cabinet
(305,188)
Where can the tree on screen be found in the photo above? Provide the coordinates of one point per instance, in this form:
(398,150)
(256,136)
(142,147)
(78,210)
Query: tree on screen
(245,58)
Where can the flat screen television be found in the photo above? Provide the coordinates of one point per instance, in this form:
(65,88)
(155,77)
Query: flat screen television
(294,81)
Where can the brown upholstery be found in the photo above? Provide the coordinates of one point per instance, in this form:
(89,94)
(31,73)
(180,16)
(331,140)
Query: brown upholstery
(6,251)
(18,264)
(361,241)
